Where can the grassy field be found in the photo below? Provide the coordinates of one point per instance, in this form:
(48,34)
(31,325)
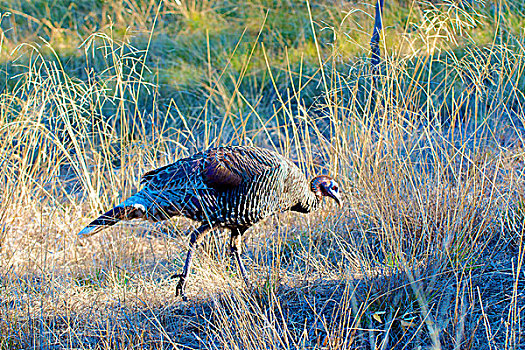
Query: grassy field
(426,252)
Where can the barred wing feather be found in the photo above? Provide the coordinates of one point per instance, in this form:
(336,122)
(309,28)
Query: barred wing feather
(219,168)
(226,168)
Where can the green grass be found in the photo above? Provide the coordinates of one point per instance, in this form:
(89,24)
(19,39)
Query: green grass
(427,251)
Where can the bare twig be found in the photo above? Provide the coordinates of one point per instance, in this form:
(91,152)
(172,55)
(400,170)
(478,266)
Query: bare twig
(376,52)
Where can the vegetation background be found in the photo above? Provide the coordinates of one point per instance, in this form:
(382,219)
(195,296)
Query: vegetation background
(426,253)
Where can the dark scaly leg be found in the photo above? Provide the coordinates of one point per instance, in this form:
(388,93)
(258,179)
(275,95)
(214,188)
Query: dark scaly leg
(235,249)
(196,237)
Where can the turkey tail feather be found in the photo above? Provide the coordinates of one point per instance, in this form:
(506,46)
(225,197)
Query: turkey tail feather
(111,217)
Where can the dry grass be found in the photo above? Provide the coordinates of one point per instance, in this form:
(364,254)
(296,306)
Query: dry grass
(426,253)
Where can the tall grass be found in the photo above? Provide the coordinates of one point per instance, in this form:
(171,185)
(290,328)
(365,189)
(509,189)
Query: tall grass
(427,251)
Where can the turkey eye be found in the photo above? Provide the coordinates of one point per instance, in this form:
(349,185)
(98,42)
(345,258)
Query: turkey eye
(335,188)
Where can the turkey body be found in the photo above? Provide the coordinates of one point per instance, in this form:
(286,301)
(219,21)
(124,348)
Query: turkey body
(232,187)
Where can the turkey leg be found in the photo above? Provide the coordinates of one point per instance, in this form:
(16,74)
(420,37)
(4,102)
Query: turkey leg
(235,249)
(195,239)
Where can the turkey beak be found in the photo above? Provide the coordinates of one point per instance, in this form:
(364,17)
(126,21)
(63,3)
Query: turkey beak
(336,196)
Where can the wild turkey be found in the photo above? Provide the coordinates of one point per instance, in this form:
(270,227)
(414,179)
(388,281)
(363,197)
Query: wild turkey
(232,187)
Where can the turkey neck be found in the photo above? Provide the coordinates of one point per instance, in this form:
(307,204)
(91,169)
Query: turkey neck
(308,202)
